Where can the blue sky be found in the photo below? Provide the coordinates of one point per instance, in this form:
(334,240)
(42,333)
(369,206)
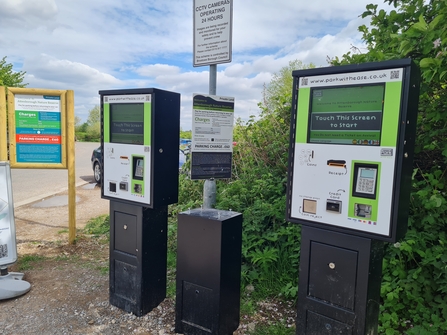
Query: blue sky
(93,45)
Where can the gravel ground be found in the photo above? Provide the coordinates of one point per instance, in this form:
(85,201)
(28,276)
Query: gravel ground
(69,283)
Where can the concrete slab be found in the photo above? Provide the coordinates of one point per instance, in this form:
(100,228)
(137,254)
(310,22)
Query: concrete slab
(55,201)
(90,186)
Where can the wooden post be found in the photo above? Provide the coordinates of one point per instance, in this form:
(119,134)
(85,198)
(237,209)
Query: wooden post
(3,127)
(71,166)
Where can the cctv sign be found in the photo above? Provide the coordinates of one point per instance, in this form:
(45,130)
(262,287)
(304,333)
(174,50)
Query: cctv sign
(213,22)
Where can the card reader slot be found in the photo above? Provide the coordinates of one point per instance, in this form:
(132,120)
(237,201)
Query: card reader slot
(333,206)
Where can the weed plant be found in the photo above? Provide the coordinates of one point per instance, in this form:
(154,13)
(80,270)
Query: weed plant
(97,226)
(274,329)
(27,262)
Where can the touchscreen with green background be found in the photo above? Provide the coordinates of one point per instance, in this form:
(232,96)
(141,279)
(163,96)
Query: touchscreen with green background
(127,123)
(346,115)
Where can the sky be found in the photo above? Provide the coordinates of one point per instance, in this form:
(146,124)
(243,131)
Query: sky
(93,45)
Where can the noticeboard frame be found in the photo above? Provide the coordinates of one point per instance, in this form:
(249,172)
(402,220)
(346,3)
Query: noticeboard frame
(59,134)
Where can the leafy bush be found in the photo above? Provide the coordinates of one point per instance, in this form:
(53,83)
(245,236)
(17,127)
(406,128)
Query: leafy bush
(80,136)
(270,245)
(414,281)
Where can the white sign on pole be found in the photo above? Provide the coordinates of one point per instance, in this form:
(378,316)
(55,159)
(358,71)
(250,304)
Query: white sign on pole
(213,21)
(8,248)
(212,136)
(212,123)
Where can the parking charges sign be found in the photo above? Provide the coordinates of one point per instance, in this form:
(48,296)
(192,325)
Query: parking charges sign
(212,136)
(38,128)
(8,249)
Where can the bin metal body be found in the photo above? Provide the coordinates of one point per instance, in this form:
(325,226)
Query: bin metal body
(209,246)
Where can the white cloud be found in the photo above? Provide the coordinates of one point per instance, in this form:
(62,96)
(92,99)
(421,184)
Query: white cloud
(62,71)
(26,14)
(157,70)
(89,46)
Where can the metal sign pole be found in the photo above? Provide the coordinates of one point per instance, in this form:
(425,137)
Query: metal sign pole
(213,79)
(209,187)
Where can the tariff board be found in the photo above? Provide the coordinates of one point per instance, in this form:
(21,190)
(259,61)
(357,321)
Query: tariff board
(38,133)
(212,136)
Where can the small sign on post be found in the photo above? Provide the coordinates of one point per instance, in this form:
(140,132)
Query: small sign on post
(212,136)
(213,21)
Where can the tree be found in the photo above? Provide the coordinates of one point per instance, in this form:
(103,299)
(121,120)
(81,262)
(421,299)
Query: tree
(8,77)
(77,121)
(414,275)
(278,93)
(93,124)
(185,134)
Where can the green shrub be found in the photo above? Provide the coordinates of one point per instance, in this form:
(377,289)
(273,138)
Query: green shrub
(80,136)
(414,283)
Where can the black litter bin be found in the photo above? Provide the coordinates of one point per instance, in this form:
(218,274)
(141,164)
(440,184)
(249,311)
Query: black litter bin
(209,246)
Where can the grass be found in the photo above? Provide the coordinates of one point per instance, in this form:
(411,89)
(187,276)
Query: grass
(98,226)
(27,262)
(248,306)
(172,259)
(63,258)
(276,329)
(104,270)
